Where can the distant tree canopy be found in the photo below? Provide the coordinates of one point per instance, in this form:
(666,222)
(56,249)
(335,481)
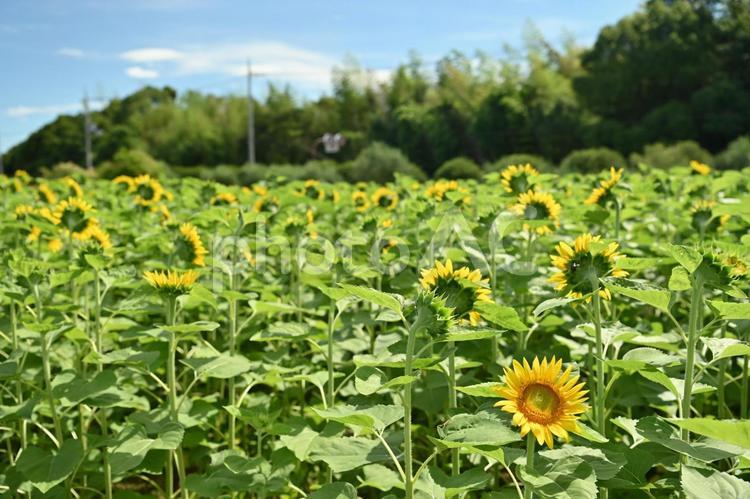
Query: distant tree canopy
(674,70)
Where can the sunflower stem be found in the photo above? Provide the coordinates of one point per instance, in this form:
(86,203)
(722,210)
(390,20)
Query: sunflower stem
(174,455)
(409,476)
(453,402)
(720,385)
(617,219)
(99,367)
(744,388)
(696,303)
(600,381)
(530,445)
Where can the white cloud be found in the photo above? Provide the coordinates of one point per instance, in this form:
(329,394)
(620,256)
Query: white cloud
(274,60)
(71,52)
(24,111)
(140,73)
(151,54)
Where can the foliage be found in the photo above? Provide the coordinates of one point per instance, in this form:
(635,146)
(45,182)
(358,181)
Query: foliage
(592,160)
(665,156)
(132,162)
(736,156)
(537,162)
(380,163)
(458,168)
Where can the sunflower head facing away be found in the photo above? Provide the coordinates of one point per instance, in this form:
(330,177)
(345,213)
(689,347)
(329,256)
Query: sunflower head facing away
(74,188)
(266,204)
(224,199)
(439,189)
(728,267)
(312,190)
(171,282)
(360,201)
(534,205)
(698,168)
(385,198)
(580,268)
(516,179)
(461,289)
(190,246)
(703,219)
(46,194)
(542,400)
(602,193)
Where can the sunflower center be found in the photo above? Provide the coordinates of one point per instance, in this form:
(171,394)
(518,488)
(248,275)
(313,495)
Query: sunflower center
(536,211)
(385,201)
(312,192)
(541,403)
(146,192)
(519,183)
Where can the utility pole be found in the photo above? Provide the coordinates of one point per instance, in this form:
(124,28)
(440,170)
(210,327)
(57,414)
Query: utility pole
(250,116)
(87,129)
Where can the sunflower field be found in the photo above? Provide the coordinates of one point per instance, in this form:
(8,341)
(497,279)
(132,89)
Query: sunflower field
(526,335)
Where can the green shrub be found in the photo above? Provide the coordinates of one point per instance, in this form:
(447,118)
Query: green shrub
(65,169)
(132,162)
(592,160)
(458,168)
(537,162)
(380,163)
(736,156)
(659,155)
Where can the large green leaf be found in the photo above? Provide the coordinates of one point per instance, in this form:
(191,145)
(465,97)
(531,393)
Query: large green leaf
(222,367)
(481,429)
(657,298)
(735,432)
(336,490)
(45,468)
(389,301)
(567,478)
(731,310)
(655,429)
(505,317)
(133,443)
(375,417)
(347,453)
(687,257)
(705,484)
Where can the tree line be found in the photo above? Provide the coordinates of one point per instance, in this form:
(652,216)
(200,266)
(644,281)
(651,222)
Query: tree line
(673,70)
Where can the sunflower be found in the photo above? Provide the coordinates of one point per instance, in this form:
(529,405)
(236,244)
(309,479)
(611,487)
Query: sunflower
(260,190)
(190,244)
(698,168)
(440,188)
(602,193)
(581,267)
(268,204)
(385,198)
(361,203)
(729,266)
(334,196)
(171,282)
(516,179)
(55,245)
(703,219)
(535,205)
(20,179)
(73,186)
(73,214)
(462,289)
(148,190)
(46,194)
(125,180)
(543,400)
(223,199)
(22,210)
(312,190)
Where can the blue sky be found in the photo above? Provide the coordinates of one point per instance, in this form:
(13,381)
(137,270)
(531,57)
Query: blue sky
(54,51)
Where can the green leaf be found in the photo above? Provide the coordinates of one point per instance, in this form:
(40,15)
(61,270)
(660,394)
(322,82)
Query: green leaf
(195,327)
(133,444)
(488,390)
(347,453)
(605,466)
(657,298)
(200,294)
(271,308)
(389,301)
(552,303)
(472,479)
(469,334)
(569,478)
(505,317)
(705,484)
(45,468)
(381,478)
(687,257)
(735,432)
(369,380)
(376,417)
(679,280)
(224,366)
(655,429)
(723,348)
(730,310)
(335,490)
(484,428)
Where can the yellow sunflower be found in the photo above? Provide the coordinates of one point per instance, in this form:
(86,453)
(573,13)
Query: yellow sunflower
(730,266)
(703,219)
(191,245)
(55,245)
(698,168)
(99,236)
(580,268)
(516,179)
(543,401)
(223,199)
(312,190)
(126,181)
(440,188)
(385,198)
(148,190)
(361,203)
(73,186)
(462,289)
(46,194)
(603,192)
(171,282)
(268,204)
(74,215)
(534,205)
